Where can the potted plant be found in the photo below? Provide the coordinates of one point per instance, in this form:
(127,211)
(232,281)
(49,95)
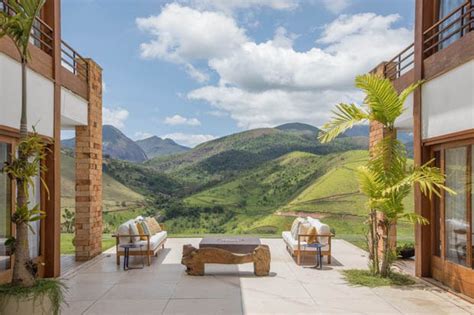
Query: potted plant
(26,294)
(406,250)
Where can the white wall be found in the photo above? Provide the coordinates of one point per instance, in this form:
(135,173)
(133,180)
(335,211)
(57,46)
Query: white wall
(448,102)
(405,121)
(73,109)
(40,98)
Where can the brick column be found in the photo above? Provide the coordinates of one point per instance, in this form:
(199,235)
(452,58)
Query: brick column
(88,238)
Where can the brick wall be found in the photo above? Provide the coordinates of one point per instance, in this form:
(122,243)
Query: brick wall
(88,238)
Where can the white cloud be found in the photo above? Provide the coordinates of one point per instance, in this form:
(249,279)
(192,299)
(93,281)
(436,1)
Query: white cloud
(190,140)
(230,5)
(180,120)
(140,135)
(104,87)
(196,74)
(182,34)
(336,6)
(114,116)
(267,83)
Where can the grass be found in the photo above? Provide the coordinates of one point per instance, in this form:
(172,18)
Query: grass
(68,248)
(367,279)
(52,288)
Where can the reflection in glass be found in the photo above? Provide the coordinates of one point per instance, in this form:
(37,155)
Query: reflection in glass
(5,208)
(446,7)
(455,206)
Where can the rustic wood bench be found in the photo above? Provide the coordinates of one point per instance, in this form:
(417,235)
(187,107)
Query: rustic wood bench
(195,259)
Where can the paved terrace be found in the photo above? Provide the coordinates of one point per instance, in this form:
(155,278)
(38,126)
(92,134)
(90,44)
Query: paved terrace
(100,287)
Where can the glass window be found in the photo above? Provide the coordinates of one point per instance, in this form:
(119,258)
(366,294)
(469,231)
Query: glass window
(5,207)
(437,214)
(456,224)
(445,8)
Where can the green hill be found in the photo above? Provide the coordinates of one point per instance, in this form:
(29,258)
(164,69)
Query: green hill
(219,160)
(266,199)
(116,196)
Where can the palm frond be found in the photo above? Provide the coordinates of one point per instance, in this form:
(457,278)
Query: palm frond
(19,25)
(409,90)
(413,218)
(345,116)
(381,98)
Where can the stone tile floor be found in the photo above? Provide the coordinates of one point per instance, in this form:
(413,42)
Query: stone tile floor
(101,287)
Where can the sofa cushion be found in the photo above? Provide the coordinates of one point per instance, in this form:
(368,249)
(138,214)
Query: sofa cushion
(295,227)
(141,231)
(303,229)
(312,238)
(124,230)
(134,231)
(321,228)
(146,228)
(293,243)
(153,225)
(155,242)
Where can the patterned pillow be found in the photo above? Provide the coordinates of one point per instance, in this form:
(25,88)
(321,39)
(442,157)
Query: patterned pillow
(134,231)
(153,226)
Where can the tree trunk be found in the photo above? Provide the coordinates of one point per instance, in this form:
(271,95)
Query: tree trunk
(21,274)
(373,250)
(386,261)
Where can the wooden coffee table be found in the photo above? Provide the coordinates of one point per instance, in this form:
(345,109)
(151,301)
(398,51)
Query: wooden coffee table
(233,244)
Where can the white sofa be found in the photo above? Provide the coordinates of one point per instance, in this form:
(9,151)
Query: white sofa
(296,242)
(151,245)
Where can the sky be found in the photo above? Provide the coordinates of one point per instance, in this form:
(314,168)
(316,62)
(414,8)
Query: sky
(195,70)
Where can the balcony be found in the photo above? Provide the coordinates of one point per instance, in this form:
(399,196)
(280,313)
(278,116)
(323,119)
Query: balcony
(42,37)
(440,36)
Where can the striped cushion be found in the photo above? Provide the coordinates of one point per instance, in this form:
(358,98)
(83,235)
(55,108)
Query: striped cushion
(146,228)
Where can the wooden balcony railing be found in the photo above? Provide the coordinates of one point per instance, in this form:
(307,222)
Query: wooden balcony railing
(42,36)
(455,25)
(74,62)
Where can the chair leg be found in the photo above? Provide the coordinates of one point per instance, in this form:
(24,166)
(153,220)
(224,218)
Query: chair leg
(118,260)
(298,257)
(149,259)
(329,259)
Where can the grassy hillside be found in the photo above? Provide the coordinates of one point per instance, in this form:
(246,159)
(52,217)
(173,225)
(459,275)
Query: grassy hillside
(266,199)
(116,196)
(222,159)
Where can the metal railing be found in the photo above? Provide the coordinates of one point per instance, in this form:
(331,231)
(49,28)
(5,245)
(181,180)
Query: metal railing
(401,63)
(453,26)
(74,62)
(41,34)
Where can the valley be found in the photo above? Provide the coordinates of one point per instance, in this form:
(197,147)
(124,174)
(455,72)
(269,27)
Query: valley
(253,182)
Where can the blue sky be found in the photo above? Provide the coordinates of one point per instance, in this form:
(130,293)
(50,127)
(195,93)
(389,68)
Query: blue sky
(193,70)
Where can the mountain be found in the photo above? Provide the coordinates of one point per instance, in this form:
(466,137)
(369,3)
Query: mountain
(221,159)
(357,131)
(155,146)
(115,145)
(119,146)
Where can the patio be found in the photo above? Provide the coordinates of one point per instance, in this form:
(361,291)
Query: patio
(102,287)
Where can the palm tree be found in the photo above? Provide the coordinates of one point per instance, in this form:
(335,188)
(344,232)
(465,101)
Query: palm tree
(17,23)
(387,178)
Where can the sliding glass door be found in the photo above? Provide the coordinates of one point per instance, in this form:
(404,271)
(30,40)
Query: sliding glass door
(456,212)
(452,218)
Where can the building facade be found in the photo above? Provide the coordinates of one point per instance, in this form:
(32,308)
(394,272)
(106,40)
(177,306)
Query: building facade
(64,91)
(441,116)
